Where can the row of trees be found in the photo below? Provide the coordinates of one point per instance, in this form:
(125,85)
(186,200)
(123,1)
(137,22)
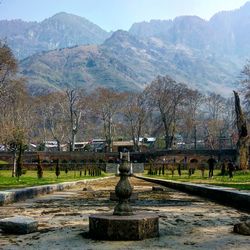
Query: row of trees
(165,108)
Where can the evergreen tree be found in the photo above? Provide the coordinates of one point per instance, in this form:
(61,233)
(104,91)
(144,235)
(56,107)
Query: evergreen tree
(39,168)
(19,162)
(57,168)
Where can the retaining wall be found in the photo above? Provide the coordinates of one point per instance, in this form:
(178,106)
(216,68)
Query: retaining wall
(14,195)
(223,195)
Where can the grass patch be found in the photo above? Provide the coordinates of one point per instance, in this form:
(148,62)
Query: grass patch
(30,179)
(240,180)
(3,162)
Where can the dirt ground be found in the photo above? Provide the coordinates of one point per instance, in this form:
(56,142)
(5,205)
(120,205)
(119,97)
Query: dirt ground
(186,222)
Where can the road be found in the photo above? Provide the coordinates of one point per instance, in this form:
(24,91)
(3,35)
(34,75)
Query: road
(186,222)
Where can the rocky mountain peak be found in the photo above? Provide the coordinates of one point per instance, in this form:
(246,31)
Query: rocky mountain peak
(123,38)
(59,31)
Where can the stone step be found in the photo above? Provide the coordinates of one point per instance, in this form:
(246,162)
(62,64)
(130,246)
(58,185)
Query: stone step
(18,225)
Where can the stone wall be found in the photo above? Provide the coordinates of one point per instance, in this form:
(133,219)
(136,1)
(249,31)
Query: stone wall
(113,168)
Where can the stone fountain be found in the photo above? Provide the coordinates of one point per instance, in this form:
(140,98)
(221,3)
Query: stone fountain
(123,224)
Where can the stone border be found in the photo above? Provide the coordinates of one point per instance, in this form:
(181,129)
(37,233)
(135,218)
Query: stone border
(14,195)
(223,195)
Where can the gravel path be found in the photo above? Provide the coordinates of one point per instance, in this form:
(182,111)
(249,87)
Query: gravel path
(186,222)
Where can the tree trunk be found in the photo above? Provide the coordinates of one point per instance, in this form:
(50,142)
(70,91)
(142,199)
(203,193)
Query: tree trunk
(167,137)
(19,162)
(14,164)
(58,145)
(167,141)
(73,141)
(109,135)
(243,152)
(243,141)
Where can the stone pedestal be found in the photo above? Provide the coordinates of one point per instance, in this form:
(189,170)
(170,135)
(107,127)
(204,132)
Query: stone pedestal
(132,198)
(132,227)
(123,224)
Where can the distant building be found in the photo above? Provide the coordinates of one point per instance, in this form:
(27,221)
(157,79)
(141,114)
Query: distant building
(128,146)
(80,146)
(2,147)
(33,147)
(148,141)
(122,146)
(98,145)
(52,146)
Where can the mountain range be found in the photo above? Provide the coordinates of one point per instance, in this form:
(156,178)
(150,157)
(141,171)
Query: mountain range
(207,55)
(59,31)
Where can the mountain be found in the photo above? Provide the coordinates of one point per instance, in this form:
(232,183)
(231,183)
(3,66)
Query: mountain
(81,66)
(126,63)
(232,30)
(226,32)
(59,31)
(207,55)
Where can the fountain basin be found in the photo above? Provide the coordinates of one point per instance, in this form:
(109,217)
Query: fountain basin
(133,227)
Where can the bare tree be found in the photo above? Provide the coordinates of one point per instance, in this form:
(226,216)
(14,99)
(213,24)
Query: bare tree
(190,115)
(8,68)
(166,95)
(52,111)
(75,113)
(105,105)
(215,108)
(60,115)
(15,105)
(136,111)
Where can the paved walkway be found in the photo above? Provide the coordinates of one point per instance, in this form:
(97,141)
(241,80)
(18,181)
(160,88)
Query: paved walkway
(186,222)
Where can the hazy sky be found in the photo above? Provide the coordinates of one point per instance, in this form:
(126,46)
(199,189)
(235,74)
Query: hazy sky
(114,14)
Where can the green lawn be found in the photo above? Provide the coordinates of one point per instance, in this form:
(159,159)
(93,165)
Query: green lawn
(3,162)
(30,178)
(240,180)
